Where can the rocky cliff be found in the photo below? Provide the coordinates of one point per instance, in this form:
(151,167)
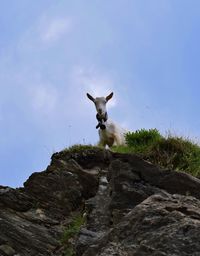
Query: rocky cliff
(126,206)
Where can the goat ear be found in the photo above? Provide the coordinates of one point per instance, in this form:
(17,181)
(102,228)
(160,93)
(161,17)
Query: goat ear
(90,97)
(109,96)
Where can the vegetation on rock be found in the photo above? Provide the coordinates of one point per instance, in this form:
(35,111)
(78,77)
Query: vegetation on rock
(172,152)
(70,233)
(79,147)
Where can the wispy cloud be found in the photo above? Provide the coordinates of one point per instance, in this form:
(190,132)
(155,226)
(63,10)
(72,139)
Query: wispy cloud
(54,29)
(93,82)
(46,31)
(44,99)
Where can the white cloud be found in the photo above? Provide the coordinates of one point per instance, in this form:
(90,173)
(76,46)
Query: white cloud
(98,85)
(53,30)
(44,99)
(45,31)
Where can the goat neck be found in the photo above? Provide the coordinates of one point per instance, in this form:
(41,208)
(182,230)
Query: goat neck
(101,120)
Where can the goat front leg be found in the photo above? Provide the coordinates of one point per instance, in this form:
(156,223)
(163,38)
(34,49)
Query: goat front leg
(102,142)
(117,140)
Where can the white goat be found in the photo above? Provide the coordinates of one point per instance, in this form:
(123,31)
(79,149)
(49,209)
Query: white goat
(109,133)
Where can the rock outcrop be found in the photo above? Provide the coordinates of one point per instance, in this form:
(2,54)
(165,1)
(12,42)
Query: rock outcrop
(131,207)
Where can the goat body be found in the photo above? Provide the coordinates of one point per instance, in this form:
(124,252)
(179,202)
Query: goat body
(113,135)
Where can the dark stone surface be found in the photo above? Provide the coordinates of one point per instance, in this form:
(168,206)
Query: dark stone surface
(132,208)
(161,225)
(62,188)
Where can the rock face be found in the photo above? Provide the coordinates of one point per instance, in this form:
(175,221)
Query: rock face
(132,208)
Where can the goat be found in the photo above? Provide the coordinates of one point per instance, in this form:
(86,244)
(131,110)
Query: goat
(110,134)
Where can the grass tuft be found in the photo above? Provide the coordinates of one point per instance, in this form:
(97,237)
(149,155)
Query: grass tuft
(141,140)
(70,233)
(176,153)
(79,147)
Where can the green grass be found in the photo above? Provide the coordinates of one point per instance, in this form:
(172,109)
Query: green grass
(176,153)
(79,147)
(141,140)
(69,251)
(70,232)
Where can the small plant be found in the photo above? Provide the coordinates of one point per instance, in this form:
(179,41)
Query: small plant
(70,232)
(73,228)
(177,153)
(140,140)
(69,251)
(79,147)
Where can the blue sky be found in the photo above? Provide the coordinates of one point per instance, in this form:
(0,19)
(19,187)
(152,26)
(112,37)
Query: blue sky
(53,52)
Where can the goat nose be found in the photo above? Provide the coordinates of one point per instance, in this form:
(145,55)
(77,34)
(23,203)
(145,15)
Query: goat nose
(100,111)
